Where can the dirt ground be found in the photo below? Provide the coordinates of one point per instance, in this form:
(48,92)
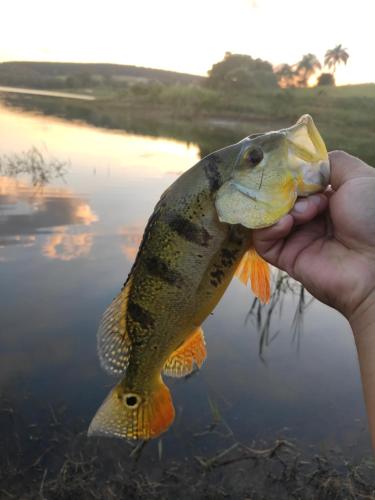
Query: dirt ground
(53,459)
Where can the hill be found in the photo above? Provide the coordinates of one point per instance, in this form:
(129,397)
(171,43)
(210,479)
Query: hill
(53,75)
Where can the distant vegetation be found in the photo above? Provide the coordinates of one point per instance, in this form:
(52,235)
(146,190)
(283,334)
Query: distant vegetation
(51,75)
(241,95)
(239,72)
(213,118)
(235,73)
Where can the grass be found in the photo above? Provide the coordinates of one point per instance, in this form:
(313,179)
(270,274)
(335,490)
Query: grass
(54,459)
(345,115)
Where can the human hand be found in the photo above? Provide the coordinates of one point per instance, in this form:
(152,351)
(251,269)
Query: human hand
(327,242)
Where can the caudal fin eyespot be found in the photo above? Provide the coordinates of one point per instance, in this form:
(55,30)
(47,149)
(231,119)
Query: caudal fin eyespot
(131,400)
(134,416)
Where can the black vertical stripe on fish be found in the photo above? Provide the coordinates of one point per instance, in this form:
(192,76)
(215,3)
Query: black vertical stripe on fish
(235,237)
(140,315)
(217,274)
(212,172)
(160,269)
(228,257)
(189,230)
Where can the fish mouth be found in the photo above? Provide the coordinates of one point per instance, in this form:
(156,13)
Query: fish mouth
(308,156)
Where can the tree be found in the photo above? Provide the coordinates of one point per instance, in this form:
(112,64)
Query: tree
(286,75)
(306,67)
(240,71)
(326,79)
(336,56)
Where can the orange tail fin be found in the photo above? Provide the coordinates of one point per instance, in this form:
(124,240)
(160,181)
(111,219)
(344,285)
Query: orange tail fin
(252,267)
(134,416)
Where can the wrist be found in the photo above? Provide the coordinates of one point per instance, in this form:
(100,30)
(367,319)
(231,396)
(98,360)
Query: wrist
(362,322)
(362,319)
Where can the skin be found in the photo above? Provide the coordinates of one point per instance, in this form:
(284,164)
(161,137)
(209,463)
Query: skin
(327,243)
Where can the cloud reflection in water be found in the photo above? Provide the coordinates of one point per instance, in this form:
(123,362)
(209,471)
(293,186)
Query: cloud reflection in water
(27,212)
(132,238)
(65,246)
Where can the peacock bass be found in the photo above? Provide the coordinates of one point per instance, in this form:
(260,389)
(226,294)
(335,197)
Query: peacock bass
(197,238)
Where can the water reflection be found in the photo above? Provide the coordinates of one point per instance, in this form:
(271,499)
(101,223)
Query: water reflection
(207,136)
(64,246)
(132,237)
(264,316)
(27,211)
(35,165)
(67,254)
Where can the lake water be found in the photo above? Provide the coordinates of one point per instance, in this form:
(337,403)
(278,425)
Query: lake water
(66,248)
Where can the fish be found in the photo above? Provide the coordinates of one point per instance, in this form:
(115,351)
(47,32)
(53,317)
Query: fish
(197,238)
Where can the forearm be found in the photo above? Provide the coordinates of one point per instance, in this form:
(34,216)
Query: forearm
(363,325)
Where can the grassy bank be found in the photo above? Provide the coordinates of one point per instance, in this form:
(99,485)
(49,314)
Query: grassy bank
(52,458)
(344,115)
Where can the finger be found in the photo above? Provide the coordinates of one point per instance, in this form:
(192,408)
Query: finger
(345,166)
(302,241)
(269,241)
(305,209)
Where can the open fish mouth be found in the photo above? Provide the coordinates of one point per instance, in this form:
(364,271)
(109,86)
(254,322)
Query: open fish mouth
(308,154)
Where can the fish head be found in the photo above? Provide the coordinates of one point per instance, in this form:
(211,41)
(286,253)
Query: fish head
(270,171)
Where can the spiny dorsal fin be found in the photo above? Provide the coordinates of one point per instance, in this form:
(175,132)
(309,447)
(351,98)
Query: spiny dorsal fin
(113,341)
(134,416)
(252,267)
(190,354)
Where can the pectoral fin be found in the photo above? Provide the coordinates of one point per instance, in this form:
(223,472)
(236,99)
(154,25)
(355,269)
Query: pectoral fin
(256,270)
(114,344)
(190,354)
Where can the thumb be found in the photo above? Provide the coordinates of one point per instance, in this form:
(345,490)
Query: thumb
(345,166)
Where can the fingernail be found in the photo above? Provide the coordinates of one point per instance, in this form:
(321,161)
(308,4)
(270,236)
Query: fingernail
(300,206)
(280,222)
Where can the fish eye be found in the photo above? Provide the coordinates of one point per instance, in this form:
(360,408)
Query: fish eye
(254,156)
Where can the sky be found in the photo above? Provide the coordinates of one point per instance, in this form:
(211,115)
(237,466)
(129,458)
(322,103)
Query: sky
(189,36)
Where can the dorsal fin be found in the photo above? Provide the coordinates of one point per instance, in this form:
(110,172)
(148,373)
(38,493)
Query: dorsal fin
(189,355)
(114,344)
(252,267)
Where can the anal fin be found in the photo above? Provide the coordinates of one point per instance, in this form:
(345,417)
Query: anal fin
(256,270)
(185,358)
(114,344)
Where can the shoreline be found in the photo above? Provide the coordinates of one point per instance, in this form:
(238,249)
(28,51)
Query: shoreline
(59,461)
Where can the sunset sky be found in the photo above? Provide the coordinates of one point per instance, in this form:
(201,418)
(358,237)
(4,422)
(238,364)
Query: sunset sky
(189,36)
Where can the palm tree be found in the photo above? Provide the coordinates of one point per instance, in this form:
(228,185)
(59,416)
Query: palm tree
(306,67)
(336,56)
